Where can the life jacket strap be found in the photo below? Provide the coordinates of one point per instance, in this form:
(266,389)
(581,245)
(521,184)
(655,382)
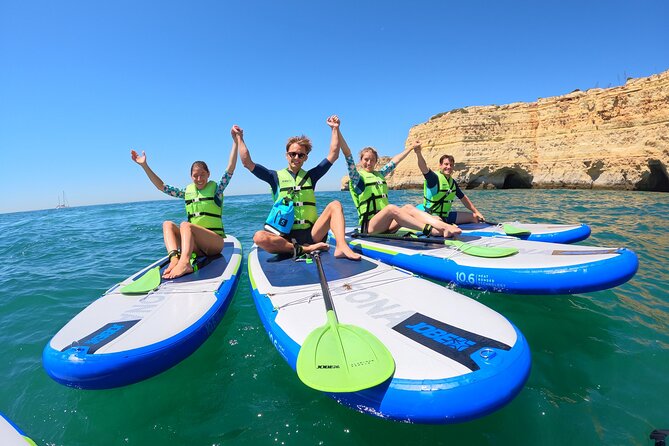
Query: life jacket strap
(198,199)
(200,214)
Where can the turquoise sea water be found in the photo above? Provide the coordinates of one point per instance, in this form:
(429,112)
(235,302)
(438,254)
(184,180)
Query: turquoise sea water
(600,361)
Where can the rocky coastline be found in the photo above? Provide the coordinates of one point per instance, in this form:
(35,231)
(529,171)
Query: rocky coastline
(602,138)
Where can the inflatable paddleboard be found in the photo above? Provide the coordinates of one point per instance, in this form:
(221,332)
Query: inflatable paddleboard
(123,338)
(11,434)
(551,233)
(455,359)
(534,268)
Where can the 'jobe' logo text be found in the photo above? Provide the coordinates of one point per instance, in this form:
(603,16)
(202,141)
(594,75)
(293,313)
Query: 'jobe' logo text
(442,336)
(105,334)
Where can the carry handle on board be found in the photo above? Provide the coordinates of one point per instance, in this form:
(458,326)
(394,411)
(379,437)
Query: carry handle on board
(465,248)
(340,357)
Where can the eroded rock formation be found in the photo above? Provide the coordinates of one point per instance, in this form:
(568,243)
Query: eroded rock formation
(614,138)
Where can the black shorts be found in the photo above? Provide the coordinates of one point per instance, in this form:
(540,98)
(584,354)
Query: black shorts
(451,218)
(303,237)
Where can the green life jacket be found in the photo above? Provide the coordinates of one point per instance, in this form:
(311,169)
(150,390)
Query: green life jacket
(372,199)
(301,191)
(440,203)
(202,209)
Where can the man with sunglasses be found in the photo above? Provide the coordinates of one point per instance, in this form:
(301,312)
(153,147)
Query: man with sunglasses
(310,230)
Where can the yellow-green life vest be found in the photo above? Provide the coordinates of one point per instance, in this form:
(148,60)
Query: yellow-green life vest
(300,189)
(440,203)
(202,209)
(373,198)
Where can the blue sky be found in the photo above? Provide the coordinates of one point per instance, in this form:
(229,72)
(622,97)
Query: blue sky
(83,82)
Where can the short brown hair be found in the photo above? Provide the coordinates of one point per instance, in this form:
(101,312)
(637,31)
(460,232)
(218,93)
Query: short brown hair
(302,140)
(450,157)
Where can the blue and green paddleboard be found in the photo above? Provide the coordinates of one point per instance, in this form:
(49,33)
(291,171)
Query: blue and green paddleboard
(144,325)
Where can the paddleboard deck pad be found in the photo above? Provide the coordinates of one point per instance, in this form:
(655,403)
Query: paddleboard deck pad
(538,232)
(455,359)
(120,339)
(536,267)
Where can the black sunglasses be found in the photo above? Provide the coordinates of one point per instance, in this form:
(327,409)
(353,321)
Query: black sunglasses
(296,155)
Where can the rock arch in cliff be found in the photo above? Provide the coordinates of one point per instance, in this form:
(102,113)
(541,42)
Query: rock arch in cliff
(656,180)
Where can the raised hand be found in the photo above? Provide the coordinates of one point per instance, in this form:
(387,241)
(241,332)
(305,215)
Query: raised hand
(139,159)
(236,131)
(333,121)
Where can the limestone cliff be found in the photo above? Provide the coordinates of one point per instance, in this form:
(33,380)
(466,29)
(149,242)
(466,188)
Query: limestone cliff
(614,138)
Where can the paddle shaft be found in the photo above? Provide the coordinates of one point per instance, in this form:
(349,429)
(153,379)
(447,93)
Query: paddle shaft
(327,297)
(429,240)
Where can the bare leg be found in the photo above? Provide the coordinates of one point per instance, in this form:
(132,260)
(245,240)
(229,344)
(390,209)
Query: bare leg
(171,236)
(391,217)
(274,244)
(194,239)
(332,217)
(442,228)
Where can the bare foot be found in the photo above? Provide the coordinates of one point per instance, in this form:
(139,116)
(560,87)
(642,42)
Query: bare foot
(434,232)
(179,270)
(346,252)
(173,262)
(452,231)
(320,246)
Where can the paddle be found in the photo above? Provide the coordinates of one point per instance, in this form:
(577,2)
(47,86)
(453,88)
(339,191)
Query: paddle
(341,358)
(149,281)
(466,248)
(510,229)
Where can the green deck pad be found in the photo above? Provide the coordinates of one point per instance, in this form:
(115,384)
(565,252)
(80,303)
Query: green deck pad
(147,282)
(481,251)
(343,358)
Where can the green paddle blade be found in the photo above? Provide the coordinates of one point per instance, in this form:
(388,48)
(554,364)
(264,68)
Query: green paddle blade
(148,282)
(343,358)
(481,251)
(515,230)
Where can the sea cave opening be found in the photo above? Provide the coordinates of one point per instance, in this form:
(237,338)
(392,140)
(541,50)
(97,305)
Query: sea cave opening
(515,181)
(657,181)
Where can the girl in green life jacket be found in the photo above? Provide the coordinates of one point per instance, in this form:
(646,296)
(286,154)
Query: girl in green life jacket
(203,233)
(370,195)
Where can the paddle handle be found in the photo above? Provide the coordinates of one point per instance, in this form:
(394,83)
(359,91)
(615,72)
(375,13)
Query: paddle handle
(327,297)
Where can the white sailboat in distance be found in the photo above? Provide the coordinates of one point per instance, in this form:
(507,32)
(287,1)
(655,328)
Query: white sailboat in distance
(64,204)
